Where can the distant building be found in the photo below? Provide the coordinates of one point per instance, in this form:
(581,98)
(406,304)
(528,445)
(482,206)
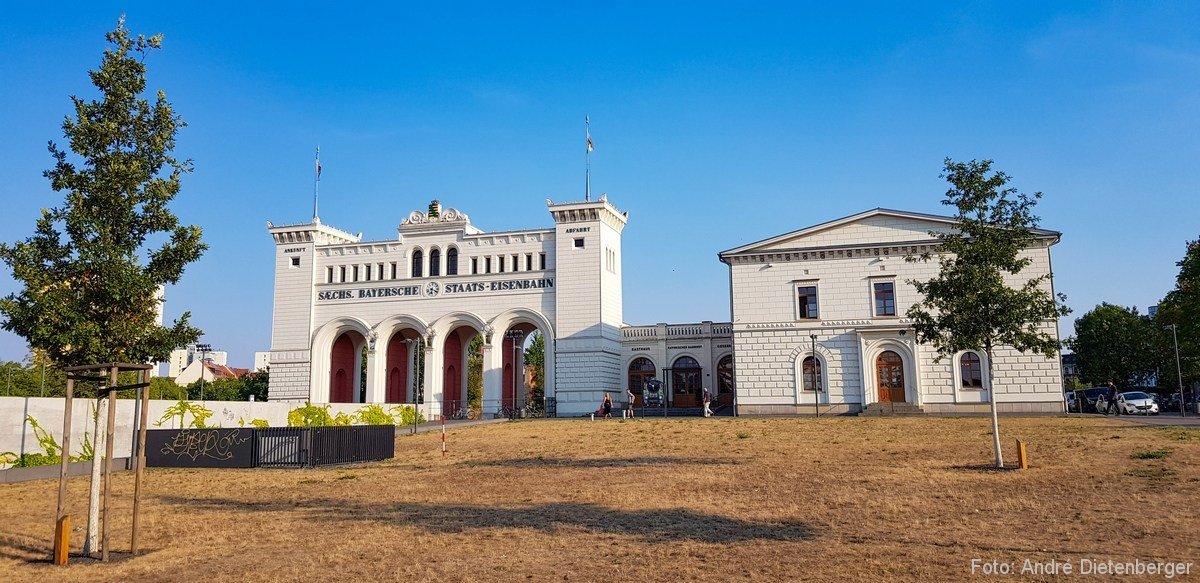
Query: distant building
(183,358)
(262,360)
(210,371)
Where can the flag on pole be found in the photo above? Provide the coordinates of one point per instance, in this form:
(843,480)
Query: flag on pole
(587,124)
(318,168)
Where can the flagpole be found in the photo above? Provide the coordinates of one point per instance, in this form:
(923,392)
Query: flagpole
(587,173)
(317,186)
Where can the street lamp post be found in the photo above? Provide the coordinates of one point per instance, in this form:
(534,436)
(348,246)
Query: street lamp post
(203,349)
(1178,370)
(816,390)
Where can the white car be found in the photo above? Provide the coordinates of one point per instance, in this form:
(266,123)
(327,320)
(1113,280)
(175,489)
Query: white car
(1136,403)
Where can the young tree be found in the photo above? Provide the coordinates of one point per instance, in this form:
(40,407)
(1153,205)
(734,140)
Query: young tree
(89,277)
(969,306)
(1114,343)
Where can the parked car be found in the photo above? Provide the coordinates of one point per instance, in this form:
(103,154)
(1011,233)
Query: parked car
(1089,397)
(1136,403)
(1072,402)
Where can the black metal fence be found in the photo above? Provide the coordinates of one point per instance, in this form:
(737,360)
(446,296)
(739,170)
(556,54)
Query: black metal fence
(273,447)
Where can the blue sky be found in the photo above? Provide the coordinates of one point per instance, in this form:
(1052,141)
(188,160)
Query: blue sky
(715,126)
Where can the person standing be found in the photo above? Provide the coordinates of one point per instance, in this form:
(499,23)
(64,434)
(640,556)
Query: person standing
(707,399)
(606,407)
(1112,399)
(629,406)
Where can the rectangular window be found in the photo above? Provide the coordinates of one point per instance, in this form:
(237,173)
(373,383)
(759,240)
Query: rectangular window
(501,264)
(355,273)
(367,272)
(342,274)
(328,275)
(542,261)
(393,270)
(806,302)
(381,272)
(885,298)
(529,262)
(474,265)
(516,264)
(579,243)
(487,264)
(295,262)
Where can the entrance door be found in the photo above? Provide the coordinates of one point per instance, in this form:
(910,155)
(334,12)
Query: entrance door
(685,382)
(889,371)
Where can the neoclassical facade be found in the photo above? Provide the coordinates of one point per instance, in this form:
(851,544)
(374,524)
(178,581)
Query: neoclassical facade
(818,320)
(819,325)
(405,310)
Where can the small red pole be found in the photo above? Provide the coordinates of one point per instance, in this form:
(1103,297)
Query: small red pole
(443,436)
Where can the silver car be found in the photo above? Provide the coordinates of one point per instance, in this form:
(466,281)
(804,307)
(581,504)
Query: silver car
(1136,403)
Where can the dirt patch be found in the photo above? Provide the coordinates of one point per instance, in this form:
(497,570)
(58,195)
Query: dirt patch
(675,499)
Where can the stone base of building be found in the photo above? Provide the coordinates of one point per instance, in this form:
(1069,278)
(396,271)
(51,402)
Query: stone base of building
(950,409)
(938,409)
(794,410)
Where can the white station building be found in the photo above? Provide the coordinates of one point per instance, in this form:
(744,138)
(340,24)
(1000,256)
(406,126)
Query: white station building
(414,303)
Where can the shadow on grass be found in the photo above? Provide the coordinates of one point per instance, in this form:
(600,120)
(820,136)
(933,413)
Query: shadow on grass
(549,462)
(649,525)
(985,468)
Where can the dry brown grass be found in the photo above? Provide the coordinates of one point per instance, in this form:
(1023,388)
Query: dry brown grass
(663,500)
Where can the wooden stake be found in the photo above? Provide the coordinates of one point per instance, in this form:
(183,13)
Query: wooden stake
(62,540)
(1022,455)
(62,473)
(108,455)
(140,462)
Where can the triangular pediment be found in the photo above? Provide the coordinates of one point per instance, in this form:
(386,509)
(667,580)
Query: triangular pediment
(874,227)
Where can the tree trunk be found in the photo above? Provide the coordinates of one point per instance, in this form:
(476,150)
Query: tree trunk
(995,415)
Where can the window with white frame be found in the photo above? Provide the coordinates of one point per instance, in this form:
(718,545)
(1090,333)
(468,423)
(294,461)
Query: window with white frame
(806,301)
(970,370)
(811,371)
(884,293)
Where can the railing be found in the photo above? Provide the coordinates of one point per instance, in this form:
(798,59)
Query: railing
(675,331)
(508,408)
(639,332)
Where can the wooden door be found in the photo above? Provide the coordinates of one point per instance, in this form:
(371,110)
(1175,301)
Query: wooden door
(889,373)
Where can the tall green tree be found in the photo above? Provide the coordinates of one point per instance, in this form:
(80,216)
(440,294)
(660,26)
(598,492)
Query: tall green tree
(535,358)
(89,273)
(1181,309)
(969,305)
(1115,343)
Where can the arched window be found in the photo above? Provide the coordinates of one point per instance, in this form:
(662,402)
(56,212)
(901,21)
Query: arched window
(725,376)
(452,261)
(640,371)
(813,380)
(685,376)
(435,262)
(418,260)
(971,370)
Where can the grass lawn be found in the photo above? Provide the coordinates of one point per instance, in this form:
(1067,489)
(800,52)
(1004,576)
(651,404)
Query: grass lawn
(664,500)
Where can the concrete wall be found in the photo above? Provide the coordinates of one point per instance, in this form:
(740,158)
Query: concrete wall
(17,435)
